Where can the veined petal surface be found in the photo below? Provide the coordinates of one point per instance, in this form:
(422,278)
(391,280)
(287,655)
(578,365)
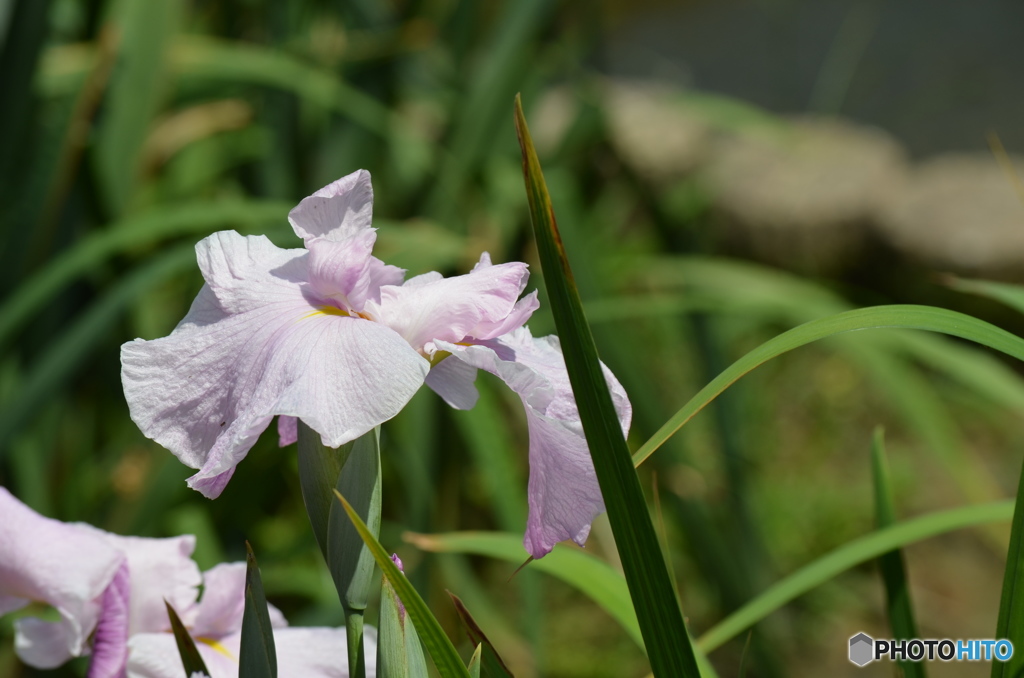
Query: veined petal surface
(255,344)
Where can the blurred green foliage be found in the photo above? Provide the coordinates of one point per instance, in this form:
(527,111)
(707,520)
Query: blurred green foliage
(132,128)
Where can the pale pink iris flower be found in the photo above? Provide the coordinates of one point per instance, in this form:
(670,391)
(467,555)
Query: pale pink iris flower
(333,336)
(109,594)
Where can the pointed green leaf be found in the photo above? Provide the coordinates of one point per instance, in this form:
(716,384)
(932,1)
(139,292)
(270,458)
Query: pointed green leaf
(354,470)
(475,662)
(256,655)
(876,317)
(657,609)
(439,647)
(894,572)
(595,578)
(399,653)
(491,665)
(1010,624)
(190,657)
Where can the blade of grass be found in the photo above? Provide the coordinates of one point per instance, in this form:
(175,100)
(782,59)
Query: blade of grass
(877,317)
(1007,293)
(894,572)
(257,657)
(136,232)
(438,645)
(848,555)
(658,612)
(1010,624)
(89,329)
(136,90)
(190,657)
(491,665)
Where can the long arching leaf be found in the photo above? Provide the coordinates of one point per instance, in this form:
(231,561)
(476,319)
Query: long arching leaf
(876,317)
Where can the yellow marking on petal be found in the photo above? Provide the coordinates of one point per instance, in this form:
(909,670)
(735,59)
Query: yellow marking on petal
(326,310)
(438,357)
(217,647)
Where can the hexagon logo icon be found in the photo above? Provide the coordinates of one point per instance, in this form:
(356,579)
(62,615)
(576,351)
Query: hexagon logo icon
(861,646)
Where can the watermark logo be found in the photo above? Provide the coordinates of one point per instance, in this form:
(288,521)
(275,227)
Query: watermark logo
(861,649)
(864,649)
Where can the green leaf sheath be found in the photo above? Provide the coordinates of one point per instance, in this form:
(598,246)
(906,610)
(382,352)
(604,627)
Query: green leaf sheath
(257,657)
(439,647)
(354,469)
(661,620)
(876,317)
(399,653)
(894,572)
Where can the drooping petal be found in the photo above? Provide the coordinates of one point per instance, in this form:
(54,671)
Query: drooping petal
(564,495)
(110,643)
(337,211)
(219,612)
(450,309)
(256,349)
(452,379)
(56,563)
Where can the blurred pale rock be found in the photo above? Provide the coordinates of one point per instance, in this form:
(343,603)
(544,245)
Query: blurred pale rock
(961,212)
(804,197)
(654,131)
(552,117)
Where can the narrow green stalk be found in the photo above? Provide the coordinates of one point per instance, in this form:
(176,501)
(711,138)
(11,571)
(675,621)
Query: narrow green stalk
(894,572)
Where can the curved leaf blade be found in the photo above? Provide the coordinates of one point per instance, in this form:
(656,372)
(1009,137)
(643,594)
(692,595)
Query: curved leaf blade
(846,556)
(877,317)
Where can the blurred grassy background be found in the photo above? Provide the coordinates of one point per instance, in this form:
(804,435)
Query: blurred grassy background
(698,226)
